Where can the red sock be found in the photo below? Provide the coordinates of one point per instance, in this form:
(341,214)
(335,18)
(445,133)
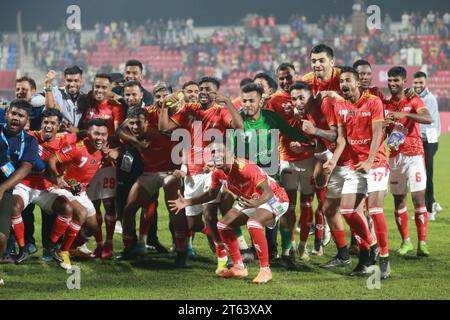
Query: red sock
(306,214)
(357,224)
(380,226)
(206,231)
(99,233)
(59,227)
(221,251)
(146,218)
(127,241)
(320,193)
(339,238)
(259,242)
(180,241)
(19,230)
(401,219)
(319,224)
(70,235)
(230,241)
(362,245)
(110,222)
(421,218)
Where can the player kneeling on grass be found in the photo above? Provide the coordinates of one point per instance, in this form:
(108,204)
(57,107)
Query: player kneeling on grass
(82,161)
(261,202)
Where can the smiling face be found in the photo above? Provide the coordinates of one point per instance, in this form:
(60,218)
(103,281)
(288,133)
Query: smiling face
(420,84)
(16,119)
(300,98)
(222,157)
(137,125)
(49,127)
(208,93)
(159,97)
(133,96)
(285,78)
(191,93)
(101,89)
(98,136)
(349,85)
(396,84)
(24,90)
(321,64)
(133,73)
(72,83)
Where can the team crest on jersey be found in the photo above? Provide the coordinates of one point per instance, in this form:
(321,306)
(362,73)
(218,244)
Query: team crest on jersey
(407,108)
(66,149)
(92,161)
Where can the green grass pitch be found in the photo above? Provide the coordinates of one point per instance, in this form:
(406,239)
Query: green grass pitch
(154,277)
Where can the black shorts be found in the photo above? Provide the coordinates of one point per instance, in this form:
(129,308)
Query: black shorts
(6,207)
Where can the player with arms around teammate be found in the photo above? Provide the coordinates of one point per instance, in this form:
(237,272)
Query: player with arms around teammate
(261,202)
(406,159)
(82,161)
(33,189)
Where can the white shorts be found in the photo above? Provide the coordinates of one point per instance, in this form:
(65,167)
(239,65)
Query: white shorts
(277,208)
(362,183)
(324,155)
(407,171)
(336,182)
(42,198)
(194,186)
(103,185)
(153,181)
(82,198)
(298,175)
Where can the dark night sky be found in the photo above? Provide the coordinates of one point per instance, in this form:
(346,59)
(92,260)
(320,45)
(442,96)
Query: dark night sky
(51,13)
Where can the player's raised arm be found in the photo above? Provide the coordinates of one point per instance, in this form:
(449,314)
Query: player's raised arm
(164,122)
(50,99)
(236,120)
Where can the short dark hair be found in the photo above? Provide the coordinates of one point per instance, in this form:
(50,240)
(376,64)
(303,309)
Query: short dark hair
(189,83)
(420,74)
(51,113)
(132,83)
(397,71)
(73,70)
(134,63)
(245,82)
(361,62)
(99,122)
(300,85)
(103,76)
(212,80)
(270,81)
(135,112)
(347,69)
(21,104)
(251,87)
(29,80)
(285,66)
(323,48)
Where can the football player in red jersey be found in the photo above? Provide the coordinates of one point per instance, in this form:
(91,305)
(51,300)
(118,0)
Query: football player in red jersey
(361,117)
(103,186)
(296,169)
(319,121)
(364,70)
(261,202)
(325,76)
(406,159)
(198,118)
(142,125)
(81,160)
(190,92)
(33,189)
(237,102)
